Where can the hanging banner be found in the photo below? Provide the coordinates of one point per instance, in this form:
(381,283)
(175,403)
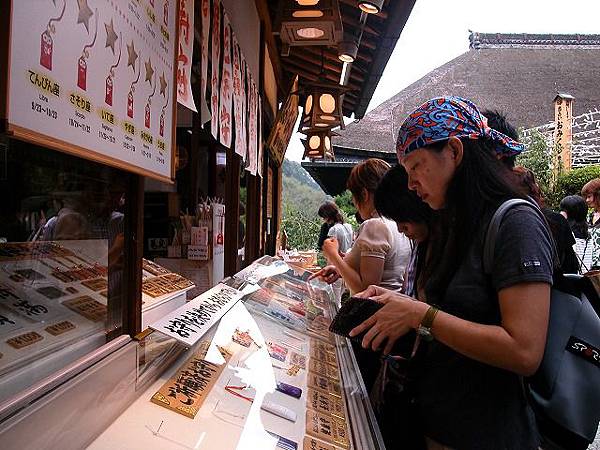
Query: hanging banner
(184,57)
(205,11)
(226,93)
(96,79)
(283,128)
(215,75)
(237,97)
(251,126)
(242,142)
(259,163)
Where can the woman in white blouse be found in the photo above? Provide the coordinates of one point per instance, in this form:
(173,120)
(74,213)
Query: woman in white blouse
(380,253)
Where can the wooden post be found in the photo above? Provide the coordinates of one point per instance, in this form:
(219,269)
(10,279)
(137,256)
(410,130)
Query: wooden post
(563,134)
(232,211)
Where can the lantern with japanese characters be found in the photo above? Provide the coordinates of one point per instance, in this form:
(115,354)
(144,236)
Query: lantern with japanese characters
(108,95)
(46,49)
(82,73)
(130,103)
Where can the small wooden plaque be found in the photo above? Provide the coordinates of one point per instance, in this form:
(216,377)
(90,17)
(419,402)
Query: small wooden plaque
(96,284)
(185,392)
(87,307)
(322,345)
(324,369)
(325,403)
(24,340)
(60,328)
(320,354)
(324,384)
(310,443)
(327,428)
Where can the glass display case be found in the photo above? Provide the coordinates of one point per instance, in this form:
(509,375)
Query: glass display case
(268,375)
(63,231)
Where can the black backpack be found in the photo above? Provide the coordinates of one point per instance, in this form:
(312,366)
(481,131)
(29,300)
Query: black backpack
(565,391)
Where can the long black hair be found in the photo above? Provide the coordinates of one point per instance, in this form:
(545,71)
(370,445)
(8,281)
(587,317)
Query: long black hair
(576,210)
(480,184)
(395,201)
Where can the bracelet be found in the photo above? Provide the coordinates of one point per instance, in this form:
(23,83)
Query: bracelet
(429,316)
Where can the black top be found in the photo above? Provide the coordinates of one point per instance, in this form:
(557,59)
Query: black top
(466,404)
(563,237)
(323,235)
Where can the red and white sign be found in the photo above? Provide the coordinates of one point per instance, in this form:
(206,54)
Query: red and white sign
(205,11)
(237,98)
(80,73)
(214,79)
(225,124)
(185,52)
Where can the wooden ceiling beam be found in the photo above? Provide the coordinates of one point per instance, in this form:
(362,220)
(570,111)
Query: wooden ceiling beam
(355,75)
(328,53)
(301,69)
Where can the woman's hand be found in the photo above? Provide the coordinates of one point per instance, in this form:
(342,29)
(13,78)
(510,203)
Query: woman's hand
(398,315)
(329,274)
(373,291)
(331,248)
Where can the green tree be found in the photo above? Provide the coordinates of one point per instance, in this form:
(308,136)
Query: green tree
(538,159)
(344,202)
(301,227)
(570,183)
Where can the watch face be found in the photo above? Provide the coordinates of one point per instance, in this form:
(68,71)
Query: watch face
(425,333)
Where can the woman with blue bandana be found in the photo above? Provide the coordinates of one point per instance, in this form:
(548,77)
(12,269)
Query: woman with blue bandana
(482,332)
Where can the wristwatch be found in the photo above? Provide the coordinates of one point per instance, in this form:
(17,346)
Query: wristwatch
(424,329)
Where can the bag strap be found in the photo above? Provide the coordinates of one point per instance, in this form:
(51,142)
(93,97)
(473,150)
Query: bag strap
(489,245)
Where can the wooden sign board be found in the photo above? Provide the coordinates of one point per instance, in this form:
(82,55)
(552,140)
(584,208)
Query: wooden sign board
(185,392)
(97,80)
(283,128)
(327,428)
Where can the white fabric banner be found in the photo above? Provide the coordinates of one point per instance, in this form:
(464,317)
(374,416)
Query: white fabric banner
(184,56)
(215,74)
(226,95)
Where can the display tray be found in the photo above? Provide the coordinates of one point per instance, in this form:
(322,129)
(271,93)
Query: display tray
(52,294)
(255,380)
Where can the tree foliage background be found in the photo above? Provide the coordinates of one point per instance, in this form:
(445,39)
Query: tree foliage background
(555,185)
(301,199)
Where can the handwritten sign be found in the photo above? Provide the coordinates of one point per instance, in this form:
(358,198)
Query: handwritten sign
(96,78)
(284,125)
(184,56)
(187,390)
(191,321)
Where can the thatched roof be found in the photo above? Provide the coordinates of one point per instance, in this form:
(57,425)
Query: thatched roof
(518,74)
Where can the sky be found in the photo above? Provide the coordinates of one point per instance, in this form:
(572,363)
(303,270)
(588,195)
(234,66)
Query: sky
(437,31)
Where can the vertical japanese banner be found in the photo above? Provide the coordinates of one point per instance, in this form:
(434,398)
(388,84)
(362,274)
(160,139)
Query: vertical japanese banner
(237,98)
(259,161)
(215,63)
(184,57)
(251,125)
(242,142)
(205,12)
(226,87)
